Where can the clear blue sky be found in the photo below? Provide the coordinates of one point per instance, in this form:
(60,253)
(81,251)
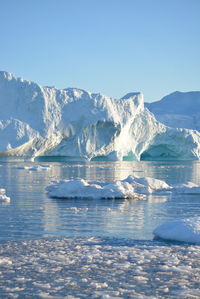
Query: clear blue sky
(108,46)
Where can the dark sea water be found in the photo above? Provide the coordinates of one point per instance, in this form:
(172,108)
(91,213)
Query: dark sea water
(86,248)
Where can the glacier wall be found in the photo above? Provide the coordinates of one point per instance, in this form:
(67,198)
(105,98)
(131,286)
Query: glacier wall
(44,121)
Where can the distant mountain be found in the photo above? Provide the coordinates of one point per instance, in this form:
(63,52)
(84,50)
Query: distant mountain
(178,110)
(44,121)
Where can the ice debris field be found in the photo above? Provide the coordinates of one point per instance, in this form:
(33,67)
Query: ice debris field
(79,125)
(107,268)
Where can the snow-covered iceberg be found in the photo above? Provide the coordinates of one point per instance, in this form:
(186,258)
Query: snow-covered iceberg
(178,110)
(130,188)
(184,230)
(44,121)
(91,189)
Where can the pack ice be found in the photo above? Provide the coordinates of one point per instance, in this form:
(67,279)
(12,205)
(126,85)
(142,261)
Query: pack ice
(45,121)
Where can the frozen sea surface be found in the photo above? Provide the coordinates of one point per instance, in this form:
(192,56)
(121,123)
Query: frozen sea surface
(94,248)
(98,268)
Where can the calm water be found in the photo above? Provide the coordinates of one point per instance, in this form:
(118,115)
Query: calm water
(31,214)
(100,248)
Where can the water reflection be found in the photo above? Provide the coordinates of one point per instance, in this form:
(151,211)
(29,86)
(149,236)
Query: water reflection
(32,214)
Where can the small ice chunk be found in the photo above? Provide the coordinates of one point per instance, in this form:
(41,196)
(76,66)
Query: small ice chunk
(185,230)
(5,261)
(35,168)
(3,196)
(22,167)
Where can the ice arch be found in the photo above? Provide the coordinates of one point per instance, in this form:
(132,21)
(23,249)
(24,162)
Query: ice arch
(159,152)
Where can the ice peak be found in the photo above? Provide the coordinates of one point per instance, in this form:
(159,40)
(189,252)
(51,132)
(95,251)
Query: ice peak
(6,75)
(131,95)
(76,92)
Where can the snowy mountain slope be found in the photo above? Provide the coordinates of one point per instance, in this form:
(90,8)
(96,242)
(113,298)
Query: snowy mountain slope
(178,110)
(44,121)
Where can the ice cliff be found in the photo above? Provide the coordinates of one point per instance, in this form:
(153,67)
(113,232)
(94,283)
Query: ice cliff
(178,110)
(45,121)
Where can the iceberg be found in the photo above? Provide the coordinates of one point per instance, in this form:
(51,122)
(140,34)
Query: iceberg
(40,121)
(178,110)
(132,187)
(184,230)
(129,188)
(91,189)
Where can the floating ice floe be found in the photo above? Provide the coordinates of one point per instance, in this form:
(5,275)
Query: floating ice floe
(86,189)
(3,196)
(131,187)
(185,230)
(186,188)
(35,168)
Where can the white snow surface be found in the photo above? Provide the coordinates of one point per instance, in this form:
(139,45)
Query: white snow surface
(185,230)
(131,187)
(178,110)
(186,188)
(45,121)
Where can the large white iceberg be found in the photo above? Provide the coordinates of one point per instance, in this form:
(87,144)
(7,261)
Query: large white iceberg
(184,230)
(45,121)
